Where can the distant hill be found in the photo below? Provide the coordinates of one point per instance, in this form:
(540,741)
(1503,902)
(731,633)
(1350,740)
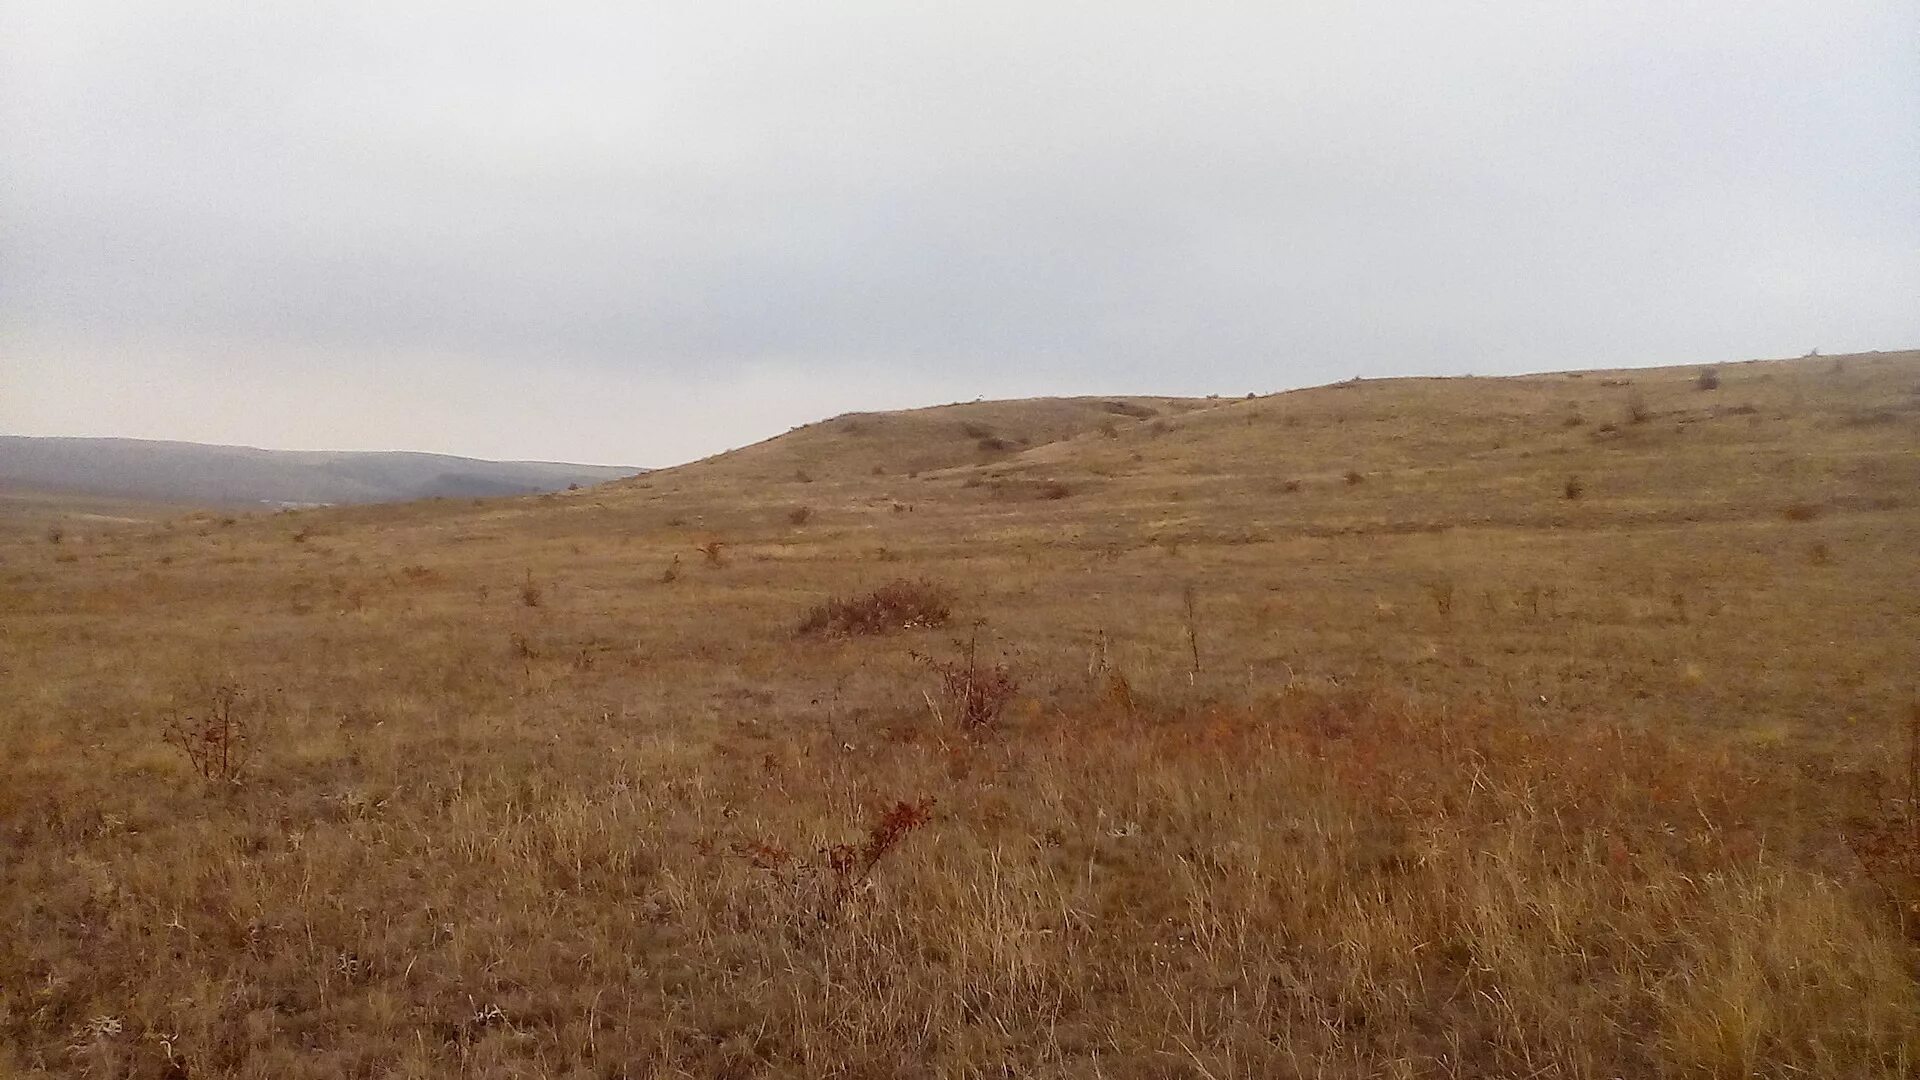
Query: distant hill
(242,475)
(938,437)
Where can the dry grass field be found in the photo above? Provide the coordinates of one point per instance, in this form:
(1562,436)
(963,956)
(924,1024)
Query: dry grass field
(1552,727)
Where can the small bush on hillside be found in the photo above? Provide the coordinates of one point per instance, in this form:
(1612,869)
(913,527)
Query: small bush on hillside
(530,592)
(799,515)
(993,444)
(1054,489)
(1575,487)
(55,535)
(976,431)
(1708,379)
(972,694)
(217,741)
(1355,476)
(898,605)
(1801,512)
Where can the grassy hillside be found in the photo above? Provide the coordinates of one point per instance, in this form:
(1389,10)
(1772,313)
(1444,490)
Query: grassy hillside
(1550,726)
(860,445)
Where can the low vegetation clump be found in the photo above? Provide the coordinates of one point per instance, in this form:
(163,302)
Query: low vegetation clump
(898,605)
(1802,511)
(971,694)
(1637,410)
(216,739)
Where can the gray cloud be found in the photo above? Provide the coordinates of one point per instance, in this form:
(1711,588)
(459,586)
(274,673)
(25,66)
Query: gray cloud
(666,224)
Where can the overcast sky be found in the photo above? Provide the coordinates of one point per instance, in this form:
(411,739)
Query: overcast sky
(641,233)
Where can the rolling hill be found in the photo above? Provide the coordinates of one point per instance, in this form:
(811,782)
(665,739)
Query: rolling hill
(181,472)
(1555,725)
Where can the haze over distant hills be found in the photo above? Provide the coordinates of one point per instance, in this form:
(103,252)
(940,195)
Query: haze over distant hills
(232,475)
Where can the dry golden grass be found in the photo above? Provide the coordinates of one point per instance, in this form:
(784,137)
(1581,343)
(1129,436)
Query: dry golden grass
(1440,773)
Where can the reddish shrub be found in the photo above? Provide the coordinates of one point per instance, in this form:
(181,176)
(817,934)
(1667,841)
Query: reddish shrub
(974,694)
(852,864)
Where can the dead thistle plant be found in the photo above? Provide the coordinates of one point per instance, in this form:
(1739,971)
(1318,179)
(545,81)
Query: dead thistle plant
(1190,609)
(219,742)
(971,693)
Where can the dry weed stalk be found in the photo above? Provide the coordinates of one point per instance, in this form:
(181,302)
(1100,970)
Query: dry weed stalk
(217,744)
(971,693)
(1190,609)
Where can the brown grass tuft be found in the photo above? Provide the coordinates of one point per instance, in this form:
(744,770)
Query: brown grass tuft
(1802,511)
